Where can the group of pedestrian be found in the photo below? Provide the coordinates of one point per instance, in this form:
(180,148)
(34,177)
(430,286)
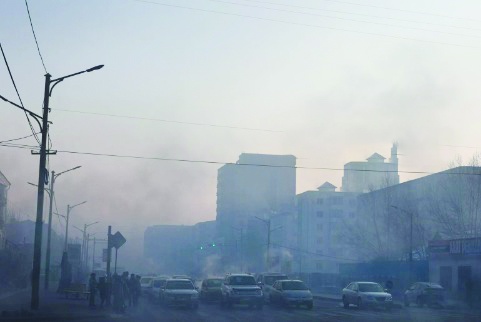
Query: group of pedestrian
(125,291)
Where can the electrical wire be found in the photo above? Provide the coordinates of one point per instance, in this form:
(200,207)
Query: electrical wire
(400,10)
(363,15)
(21,138)
(313,253)
(35,37)
(345,19)
(18,94)
(167,121)
(243,164)
(309,25)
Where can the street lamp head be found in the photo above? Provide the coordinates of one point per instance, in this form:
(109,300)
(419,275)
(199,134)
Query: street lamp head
(94,68)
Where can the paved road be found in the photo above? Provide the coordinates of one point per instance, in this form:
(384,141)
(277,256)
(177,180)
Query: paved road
(77,310)
(323,311)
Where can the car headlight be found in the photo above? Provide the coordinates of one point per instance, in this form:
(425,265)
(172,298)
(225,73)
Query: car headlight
(234,292)
(389,298)
(259,292)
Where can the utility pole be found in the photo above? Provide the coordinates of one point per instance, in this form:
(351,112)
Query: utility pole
(49,233)
(269,231)
(93,256)
(37,248)
(42,176)
(109,256)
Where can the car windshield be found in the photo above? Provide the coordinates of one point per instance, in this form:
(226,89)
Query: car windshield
(269,280)
(242,280)
(214,283)
(370,287)
(294,286)
(179,285)
(145,280)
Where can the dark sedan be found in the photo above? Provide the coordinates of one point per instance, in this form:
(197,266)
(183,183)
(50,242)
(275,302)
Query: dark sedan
(210,289)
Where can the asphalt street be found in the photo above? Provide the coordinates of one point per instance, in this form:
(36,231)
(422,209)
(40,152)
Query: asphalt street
(76,310)
(322,311)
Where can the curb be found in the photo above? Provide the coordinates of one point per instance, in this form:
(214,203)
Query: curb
(325,298)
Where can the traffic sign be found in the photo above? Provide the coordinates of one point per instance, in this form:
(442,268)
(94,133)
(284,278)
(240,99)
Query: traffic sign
(117,240)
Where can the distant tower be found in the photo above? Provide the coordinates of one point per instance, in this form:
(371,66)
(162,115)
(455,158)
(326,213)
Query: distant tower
(394,153)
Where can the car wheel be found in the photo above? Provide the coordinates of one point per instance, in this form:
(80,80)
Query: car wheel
(406,301)
(310,305)
(419,301)
(359,303)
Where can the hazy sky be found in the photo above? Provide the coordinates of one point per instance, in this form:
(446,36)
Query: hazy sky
(336,89)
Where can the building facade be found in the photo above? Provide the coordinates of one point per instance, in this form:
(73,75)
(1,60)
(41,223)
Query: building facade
(372,174)
(249,193)
(455,263)
(320,221)
(4,186)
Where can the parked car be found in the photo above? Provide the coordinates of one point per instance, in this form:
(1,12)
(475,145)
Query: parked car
(180,292)
(291,292)
(146,284)
(158,284)
(424,293)
(241,289)
(266,280)
(366,294)
(210,289)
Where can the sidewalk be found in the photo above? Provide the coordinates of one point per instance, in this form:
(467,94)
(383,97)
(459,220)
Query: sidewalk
(53,307)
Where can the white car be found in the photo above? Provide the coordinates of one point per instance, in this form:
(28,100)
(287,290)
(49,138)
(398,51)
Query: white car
(266,280)
(158,284)
(146,284)
(366,294)
(291,292)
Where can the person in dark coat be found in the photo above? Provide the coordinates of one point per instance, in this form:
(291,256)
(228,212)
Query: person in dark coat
(125,285)
(102,287)
(92,290)
(132,290)
(118,294)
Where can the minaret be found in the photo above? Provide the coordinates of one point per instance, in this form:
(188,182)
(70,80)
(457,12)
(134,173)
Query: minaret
(394,153)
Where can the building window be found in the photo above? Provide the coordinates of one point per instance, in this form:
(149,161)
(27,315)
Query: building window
(320,201)
(319,240)
(320,214)
(319,226)
(319,266)
(352,215)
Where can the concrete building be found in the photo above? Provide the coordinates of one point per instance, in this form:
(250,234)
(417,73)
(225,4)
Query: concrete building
(321,230)
(455,262)
(4,186)
(169,249)
(371,175)
(258,185)
(444,205)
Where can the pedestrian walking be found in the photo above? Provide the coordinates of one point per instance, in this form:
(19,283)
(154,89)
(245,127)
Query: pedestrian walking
(92,290)
(125,287)
(102,287)
(138,290)
(118,294)
(132,289)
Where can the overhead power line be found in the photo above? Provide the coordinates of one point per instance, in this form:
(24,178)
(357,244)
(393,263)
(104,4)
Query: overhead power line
(18,94)
(167,121)
(363,15)
(344,19)
(35,37)
(17,139)
(123,156)
(308,25)
(400,10)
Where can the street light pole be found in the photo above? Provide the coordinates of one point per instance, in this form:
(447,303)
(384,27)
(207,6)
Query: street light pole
(52,196)
(269,230)
(37,248)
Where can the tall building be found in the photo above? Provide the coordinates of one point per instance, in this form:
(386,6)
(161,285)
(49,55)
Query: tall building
(258,185)
(321,218)
(370,175)
(169,249)
(4,186)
